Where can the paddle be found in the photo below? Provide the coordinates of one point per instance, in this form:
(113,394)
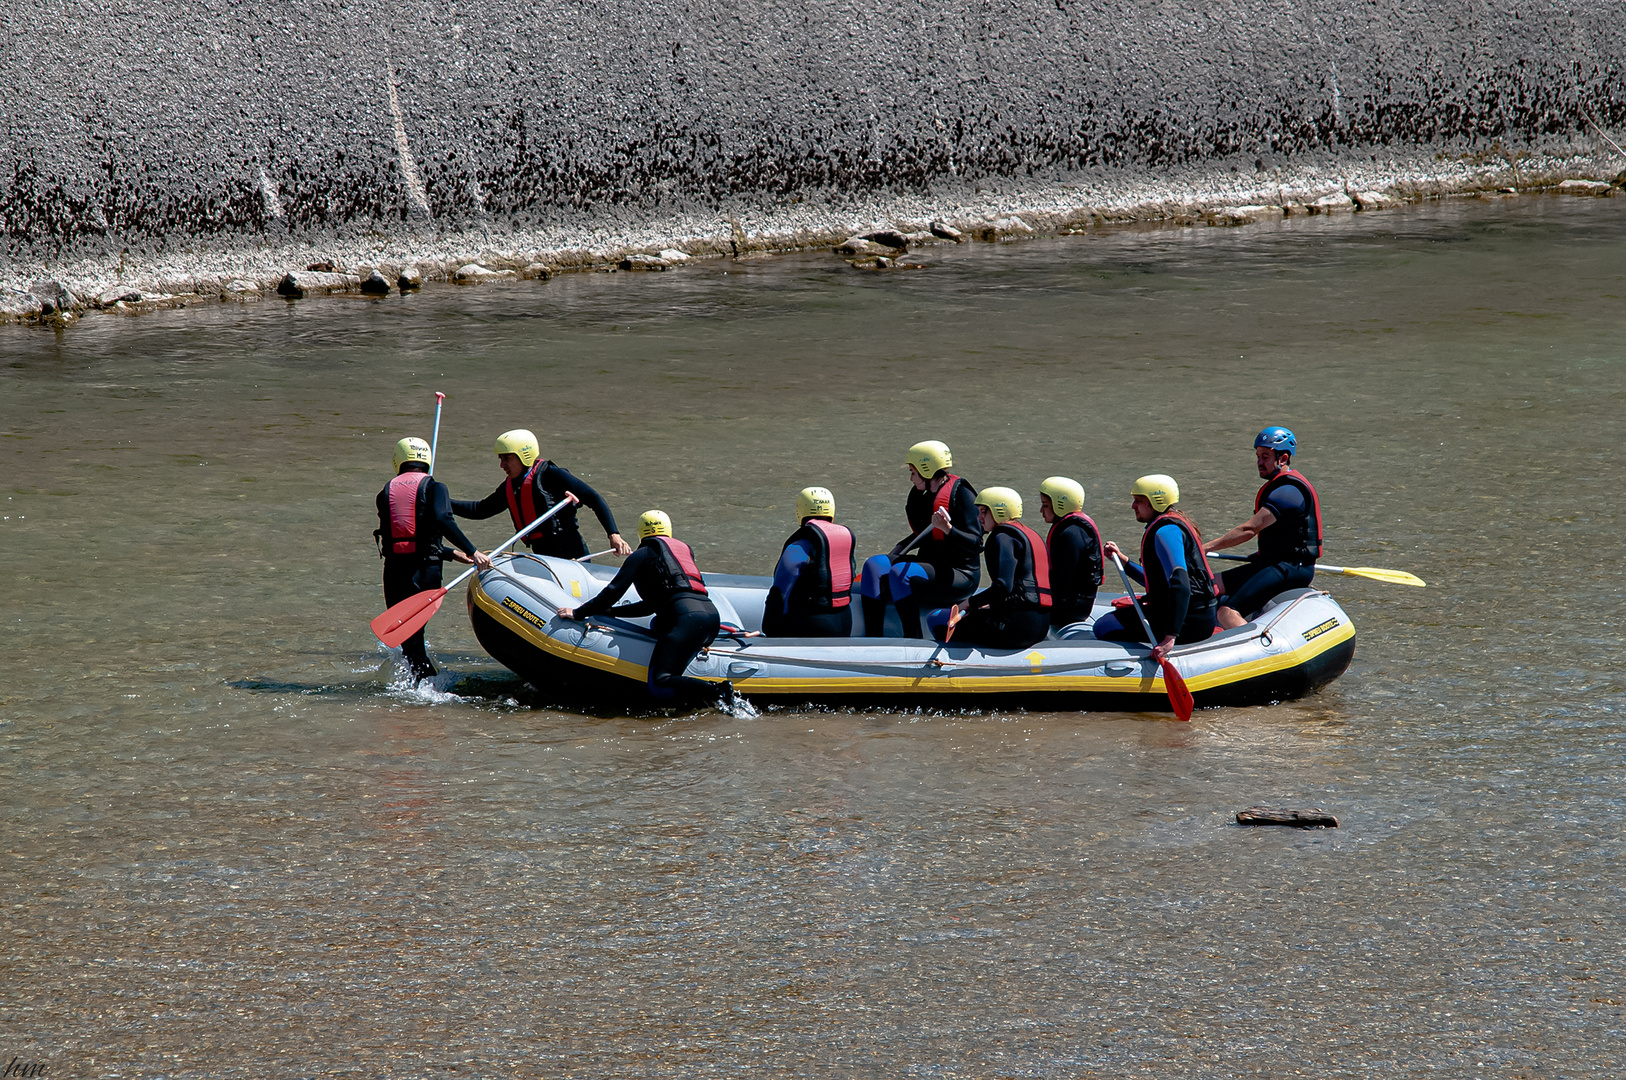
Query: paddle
(955,615)
(912,543)
(1375,573)
(1180,698)
(434,441)
(594,555)
(403,620)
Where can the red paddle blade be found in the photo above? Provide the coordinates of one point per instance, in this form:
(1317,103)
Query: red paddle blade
(408,617)
(953,620)
(1179,696)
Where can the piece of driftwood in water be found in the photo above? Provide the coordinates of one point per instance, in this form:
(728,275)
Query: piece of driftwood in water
(1314,818)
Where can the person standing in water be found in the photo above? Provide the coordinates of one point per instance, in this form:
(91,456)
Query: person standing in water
(1287,522)
(945,571)
(532,486)
(1179,600)
(414,512)
(1077,571)
(811,594)
(671,587)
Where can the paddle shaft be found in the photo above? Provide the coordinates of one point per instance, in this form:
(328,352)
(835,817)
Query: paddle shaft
(568,500)
(912,543)
(1374,573)
(434,440)
(594,555)
(1129,587)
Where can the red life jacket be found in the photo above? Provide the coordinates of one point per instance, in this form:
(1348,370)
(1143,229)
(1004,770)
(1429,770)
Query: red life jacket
(407,492)
(1084,520)
(523,510)
(1033,569)
(1290,542)
(826,583)
(677,566)
(941,501)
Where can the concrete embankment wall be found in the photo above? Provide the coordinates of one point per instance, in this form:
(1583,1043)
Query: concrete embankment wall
(153,126)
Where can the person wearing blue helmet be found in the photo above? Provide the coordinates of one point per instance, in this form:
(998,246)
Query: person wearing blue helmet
(1287,523)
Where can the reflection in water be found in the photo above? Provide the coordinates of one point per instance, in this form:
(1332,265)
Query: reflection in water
(237,846)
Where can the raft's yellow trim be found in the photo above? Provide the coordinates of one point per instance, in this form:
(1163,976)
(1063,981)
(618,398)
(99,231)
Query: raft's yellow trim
(945,684)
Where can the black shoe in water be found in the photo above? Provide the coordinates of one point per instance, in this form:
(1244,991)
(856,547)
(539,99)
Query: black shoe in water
(725,698)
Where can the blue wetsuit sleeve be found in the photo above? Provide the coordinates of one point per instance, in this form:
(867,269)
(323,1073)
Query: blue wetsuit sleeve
(796,556)
(1171,549)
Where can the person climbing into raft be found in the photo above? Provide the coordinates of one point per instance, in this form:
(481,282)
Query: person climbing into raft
(811,594)
(670,587)
(532,486)
(945,571)
(1179,600)
(1074,546)
(1013,612)
(414,512)
(1287,523)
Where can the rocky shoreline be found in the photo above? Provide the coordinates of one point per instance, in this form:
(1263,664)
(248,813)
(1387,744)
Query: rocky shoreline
(871,236)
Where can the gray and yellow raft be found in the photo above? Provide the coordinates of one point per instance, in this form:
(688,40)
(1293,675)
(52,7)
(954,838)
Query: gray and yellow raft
(1300,642)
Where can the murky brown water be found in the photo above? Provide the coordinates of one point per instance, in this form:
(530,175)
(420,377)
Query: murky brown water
(233,848)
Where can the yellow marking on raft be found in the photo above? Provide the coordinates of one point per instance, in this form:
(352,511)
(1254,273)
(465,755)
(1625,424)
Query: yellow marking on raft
(1035,660)
(576,588)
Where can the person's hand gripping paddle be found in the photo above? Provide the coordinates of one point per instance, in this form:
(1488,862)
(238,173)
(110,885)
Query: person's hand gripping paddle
(409,616)
(1180,699)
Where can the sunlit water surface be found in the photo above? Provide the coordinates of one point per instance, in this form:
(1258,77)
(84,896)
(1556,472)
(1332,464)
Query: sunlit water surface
(237,847)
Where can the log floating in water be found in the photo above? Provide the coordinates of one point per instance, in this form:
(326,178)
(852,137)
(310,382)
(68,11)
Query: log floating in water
(1314,818)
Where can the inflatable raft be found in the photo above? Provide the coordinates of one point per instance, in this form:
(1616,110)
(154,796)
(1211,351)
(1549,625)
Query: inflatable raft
(1300,642)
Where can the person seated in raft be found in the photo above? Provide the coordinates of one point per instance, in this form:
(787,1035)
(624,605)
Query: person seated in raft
(1179,600)
(1074,546)
(414,512)
(811,594)
(1287,522)
(533,486)
(671,588)
(1013,612)
(945,571)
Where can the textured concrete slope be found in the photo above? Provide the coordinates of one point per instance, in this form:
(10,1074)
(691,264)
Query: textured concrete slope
(149,125)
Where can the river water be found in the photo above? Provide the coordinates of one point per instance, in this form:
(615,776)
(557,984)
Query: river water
(236,845)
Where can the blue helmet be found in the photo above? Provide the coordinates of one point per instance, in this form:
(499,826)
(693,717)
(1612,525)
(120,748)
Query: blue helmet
(1278,439)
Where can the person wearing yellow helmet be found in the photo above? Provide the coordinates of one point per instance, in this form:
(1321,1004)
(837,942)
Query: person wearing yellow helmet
(1287,523)
(811,595)
(670,587)
(1179,600)
(414,512)
(532,486)
(1013,612)
(945,571)
(1074,544)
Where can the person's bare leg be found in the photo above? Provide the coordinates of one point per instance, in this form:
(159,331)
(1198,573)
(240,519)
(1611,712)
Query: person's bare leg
(1229,618)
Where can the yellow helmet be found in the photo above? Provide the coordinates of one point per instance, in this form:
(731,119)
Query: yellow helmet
(929,458)
(654,523)
(520,442)
(1066,496)
(410,449)
(815,502)
(1002,502)
(1161,491)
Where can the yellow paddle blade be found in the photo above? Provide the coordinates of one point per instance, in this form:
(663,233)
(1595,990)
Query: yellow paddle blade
(1393,577)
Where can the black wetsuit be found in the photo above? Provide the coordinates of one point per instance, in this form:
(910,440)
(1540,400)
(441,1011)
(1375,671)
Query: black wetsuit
(1007,614)
(560,537)
(685,621)
(1288,547)
(1075,569)
(409,574)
